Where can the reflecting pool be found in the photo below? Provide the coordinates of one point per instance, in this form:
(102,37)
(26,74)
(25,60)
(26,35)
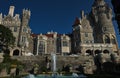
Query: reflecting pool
(56,76)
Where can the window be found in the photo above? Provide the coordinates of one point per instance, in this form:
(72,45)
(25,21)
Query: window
(87,41)
(107,39)
(15,29)
(113,40)
(86,34)
(75,44)
(24,29)
(23,39)
(104,29)
(65,43)
(0,48)
(41,46)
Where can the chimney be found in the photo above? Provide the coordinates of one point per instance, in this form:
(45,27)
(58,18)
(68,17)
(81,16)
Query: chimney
(11,10)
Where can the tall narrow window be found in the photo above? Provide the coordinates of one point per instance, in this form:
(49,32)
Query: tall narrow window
(41,47)
(15,29)
(0,48)
(23,38)
(24,29)
(107,39)
(113,40)
(86,34)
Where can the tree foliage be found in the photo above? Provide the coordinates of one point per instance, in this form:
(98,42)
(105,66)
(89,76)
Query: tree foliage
(9,63)
(6,36)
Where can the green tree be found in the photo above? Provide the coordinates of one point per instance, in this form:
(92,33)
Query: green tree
(9,63)
(6,37)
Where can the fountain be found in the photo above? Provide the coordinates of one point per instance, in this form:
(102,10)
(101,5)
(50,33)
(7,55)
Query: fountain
(54,72)
(53,59)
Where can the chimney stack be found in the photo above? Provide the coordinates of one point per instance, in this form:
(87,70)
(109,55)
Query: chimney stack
(11,10)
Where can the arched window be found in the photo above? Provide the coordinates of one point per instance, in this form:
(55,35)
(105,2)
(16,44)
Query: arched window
(89,52)
(97,52)
(107,39)
(16,52)
(113,40)
(106,51)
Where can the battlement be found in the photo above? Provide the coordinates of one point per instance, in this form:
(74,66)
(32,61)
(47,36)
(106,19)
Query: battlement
(26,12)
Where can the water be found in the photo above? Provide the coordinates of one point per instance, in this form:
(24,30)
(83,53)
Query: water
(53,62)
(54,74)
(30,76)
(57,76)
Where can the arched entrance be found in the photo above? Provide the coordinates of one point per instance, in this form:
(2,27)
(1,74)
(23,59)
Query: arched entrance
(16,52)
(89,52)
(106,52)
(97,52)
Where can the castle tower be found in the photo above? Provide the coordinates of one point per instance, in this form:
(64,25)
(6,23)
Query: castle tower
(101,15)
(25,31)
(25,17)
(82,33)
(11,11)
(86,30)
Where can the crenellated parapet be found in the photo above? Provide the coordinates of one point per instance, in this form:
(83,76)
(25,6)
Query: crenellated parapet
(26,13)
(10,19)
(25,17)
(101,11)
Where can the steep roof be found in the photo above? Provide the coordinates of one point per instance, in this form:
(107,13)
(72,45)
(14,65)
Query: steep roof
(77,21)
(34,35)
(49,35)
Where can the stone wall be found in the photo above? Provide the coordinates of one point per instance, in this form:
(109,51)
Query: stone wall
(73,61)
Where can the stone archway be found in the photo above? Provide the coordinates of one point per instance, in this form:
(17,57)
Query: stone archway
(106,52)
(16,52)
(97,52)
(89,52)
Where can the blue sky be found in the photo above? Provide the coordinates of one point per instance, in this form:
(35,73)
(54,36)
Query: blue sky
(47,15)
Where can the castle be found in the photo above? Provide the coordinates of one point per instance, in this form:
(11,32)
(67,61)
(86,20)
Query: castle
(20,29)
(92,34)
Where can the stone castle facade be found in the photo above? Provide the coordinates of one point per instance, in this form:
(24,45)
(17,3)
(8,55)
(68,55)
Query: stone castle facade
(20,29)
(52,42)
(92,34)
